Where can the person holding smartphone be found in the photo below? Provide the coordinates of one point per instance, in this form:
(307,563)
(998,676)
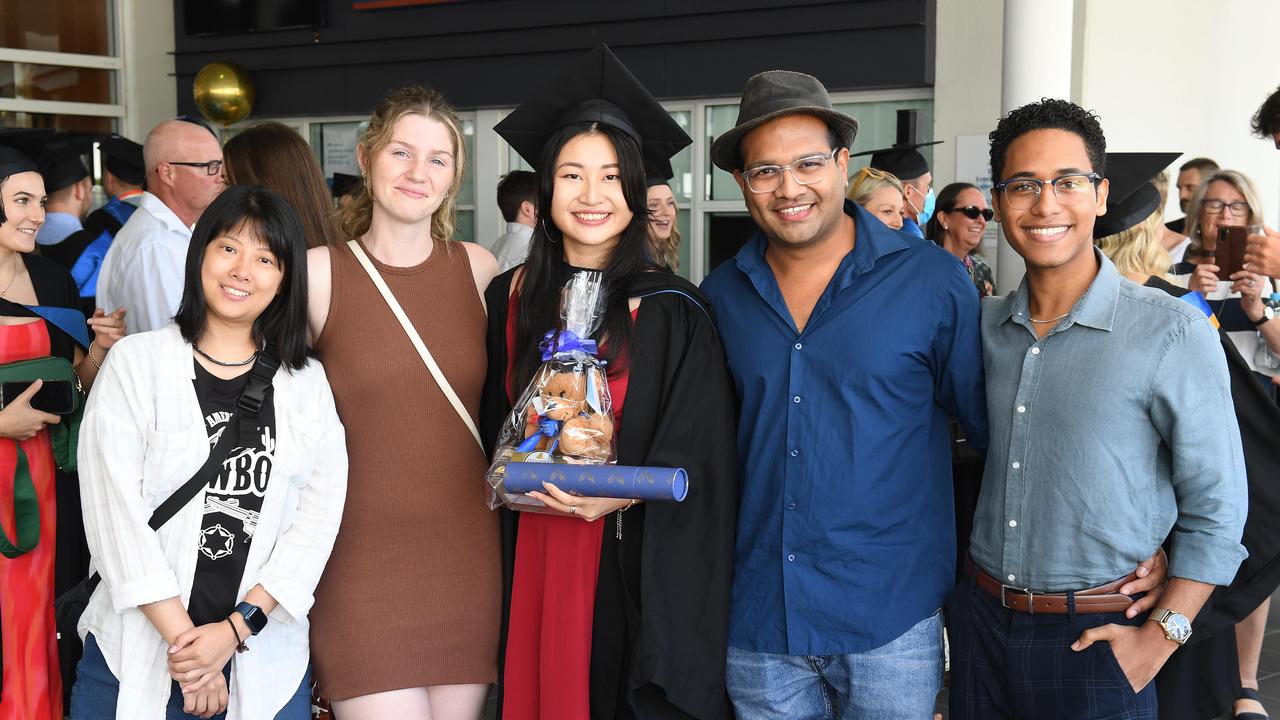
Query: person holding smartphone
(1220,214)
(30,285)
(235,568)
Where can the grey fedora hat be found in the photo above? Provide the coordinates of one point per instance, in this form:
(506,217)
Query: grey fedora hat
(775,93)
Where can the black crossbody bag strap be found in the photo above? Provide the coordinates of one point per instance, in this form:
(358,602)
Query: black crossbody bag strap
(243,423)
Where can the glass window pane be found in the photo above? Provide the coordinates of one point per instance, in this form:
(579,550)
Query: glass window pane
(726,233)
(75,123)
(720,184)
(465,227)
(26,81)
(878,127)
(467,193)
(682,164)
(69,26)
(334,144)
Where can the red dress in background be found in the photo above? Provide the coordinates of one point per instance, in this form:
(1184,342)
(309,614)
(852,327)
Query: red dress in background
(547,669)
(32,688)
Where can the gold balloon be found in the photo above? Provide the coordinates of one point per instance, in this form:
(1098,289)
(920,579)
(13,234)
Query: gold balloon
(224,92)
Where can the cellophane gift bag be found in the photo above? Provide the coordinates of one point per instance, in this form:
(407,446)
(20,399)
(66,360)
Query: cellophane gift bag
(565,415)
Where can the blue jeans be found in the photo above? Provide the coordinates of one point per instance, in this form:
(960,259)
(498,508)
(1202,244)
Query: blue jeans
(93,697)
(898,681)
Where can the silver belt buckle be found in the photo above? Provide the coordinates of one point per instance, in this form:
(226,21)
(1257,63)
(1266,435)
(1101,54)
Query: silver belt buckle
(1031,597)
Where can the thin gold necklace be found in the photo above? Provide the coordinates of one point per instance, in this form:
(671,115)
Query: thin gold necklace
(1049,320)
(5,293)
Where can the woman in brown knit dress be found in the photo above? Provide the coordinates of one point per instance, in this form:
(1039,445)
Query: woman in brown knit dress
(406,618)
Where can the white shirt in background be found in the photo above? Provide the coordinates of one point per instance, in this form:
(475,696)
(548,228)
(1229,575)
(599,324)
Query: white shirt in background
(144,267)
(513,247)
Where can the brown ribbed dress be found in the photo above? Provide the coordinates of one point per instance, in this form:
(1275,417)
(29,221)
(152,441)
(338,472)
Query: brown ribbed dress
(412,594)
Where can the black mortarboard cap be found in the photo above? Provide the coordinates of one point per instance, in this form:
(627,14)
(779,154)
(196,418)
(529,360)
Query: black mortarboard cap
(657,171)
(344,184)
(1131,197)
(61,165)
(15,150)
(597,87)
(902,160)
(123,157)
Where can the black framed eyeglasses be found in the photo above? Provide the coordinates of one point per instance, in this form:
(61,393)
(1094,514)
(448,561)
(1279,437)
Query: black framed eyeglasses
(213,167)
(1239,208)
(1023,193)
(973,212)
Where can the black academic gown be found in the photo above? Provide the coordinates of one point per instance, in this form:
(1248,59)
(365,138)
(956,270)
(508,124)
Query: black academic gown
(660,631)
(1201,679)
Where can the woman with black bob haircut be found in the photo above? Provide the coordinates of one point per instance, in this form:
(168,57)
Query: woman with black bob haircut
(269,218)
(632,610)
(213,469)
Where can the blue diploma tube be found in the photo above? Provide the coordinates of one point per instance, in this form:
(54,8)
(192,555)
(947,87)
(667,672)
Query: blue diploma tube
(607,481)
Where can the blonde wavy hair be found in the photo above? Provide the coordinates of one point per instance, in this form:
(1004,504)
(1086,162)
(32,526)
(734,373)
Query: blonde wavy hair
(1237,180)
(411,99)
(1138,250)
(667,252)
(868,181)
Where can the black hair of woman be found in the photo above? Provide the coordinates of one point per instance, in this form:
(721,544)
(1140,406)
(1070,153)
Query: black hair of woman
(284,321)
(541,284)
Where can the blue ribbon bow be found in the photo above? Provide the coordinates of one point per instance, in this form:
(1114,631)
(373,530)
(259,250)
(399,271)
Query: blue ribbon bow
(563,342)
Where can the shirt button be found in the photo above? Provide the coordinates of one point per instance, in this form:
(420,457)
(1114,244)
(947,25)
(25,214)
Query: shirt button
(791,558)
(1012,578)
(1022,408)
(795,453)
(1013,523)
(791,506)
(796,399)
(1016,464)
(799,345)
(1035,351)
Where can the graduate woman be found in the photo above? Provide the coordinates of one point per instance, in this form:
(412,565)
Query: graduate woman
(614,610)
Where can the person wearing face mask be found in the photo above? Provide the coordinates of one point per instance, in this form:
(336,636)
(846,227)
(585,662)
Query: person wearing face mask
(905,162)
(958,226)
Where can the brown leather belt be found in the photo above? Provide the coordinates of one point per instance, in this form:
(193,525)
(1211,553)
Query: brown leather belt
(1104,598)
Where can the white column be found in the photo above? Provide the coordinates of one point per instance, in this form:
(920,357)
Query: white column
(1036,64)
(489,167)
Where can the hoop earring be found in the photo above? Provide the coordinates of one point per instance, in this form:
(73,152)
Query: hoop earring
(543,222)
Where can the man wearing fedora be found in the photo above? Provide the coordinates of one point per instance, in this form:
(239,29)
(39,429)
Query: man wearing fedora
(849,343)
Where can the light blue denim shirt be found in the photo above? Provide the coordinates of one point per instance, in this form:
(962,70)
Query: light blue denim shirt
(1110,431)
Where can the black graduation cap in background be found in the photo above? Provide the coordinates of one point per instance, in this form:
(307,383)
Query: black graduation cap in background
(61,162)
(1131,197)
(344,184)
(597,87)
(123,157)
(903,159)
(657,171)
(15,150)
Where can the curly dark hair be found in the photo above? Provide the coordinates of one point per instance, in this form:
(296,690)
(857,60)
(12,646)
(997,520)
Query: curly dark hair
(1048,114)
(1266,122)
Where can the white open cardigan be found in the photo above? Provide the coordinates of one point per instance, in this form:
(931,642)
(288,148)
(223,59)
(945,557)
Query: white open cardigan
(143,436)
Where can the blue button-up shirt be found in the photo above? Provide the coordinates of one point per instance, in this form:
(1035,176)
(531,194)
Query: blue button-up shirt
(846,527)
(1108,432)
(57,226)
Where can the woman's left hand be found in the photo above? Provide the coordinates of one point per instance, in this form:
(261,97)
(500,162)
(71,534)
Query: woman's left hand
(107,329)
(1249,285)
(589,509)
(199,654)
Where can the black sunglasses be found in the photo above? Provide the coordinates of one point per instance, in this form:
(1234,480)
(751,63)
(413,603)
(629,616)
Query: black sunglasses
(972,212)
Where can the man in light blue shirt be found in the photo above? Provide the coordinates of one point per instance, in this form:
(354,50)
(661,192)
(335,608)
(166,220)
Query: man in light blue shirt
(1112,428)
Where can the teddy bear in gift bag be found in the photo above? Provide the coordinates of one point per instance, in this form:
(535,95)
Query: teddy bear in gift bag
(565,415)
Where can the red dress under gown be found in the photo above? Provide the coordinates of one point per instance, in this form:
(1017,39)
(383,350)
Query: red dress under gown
(32,688)
(547,669)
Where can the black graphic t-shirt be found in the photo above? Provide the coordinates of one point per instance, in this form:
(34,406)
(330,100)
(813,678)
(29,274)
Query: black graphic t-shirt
(233,499)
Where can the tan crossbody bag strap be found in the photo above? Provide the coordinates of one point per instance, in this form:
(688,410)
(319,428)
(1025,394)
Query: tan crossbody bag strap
(416,339)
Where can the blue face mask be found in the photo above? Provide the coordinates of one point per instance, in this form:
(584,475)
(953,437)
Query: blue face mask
(930,202)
